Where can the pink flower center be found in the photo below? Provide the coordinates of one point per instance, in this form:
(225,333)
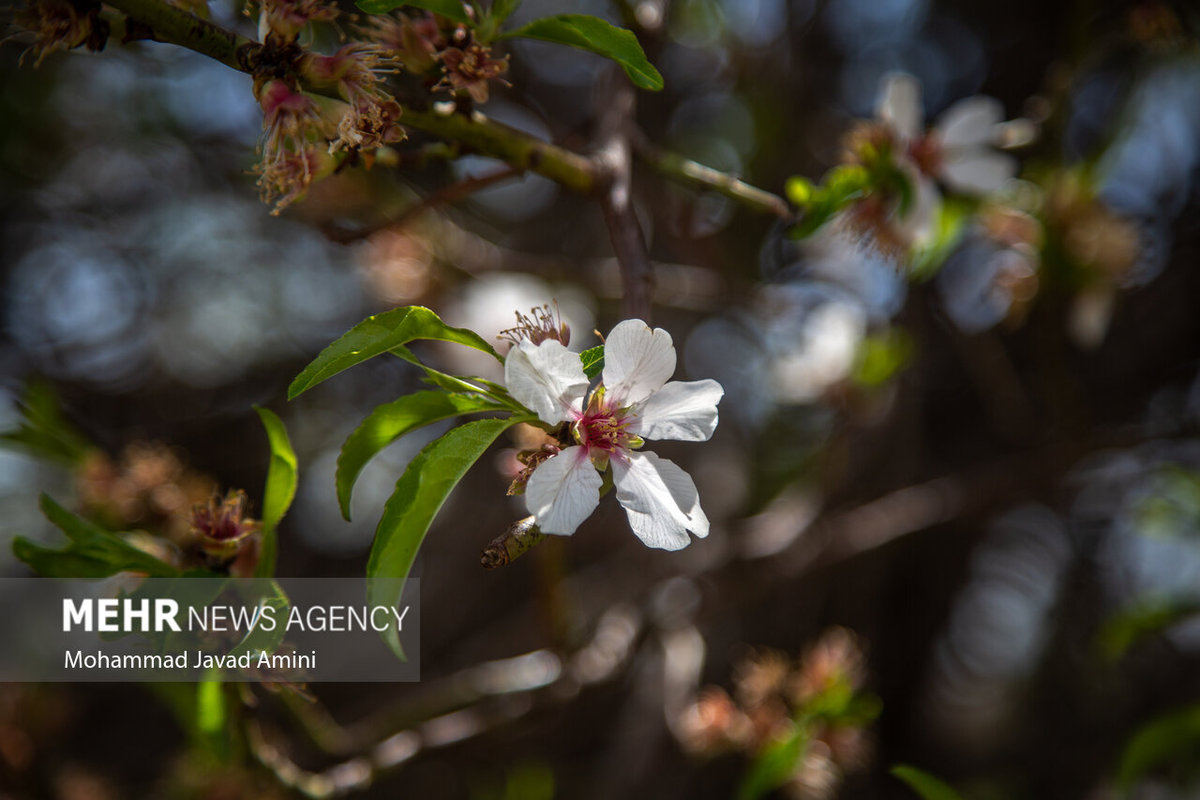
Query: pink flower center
(603,427)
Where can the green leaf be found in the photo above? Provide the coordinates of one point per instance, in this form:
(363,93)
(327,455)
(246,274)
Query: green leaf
(419,495)
(379,334)
(389,422)
(1172,739)
(91,553)
(924,784)
(211,717)
(596,36)
(593,361)
(282,477)
(44,431)
(772,768)
(451,9)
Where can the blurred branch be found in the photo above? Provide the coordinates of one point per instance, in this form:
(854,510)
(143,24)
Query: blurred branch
(691,173)
(617,102)
(158,21)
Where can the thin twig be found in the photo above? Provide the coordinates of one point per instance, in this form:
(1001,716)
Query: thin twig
(684,170)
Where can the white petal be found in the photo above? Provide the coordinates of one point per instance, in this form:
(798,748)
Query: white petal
(547,379)
(686,411)
(900,105)
(970,123)
(637,361)
(660,500)
(977,171)
(563,491)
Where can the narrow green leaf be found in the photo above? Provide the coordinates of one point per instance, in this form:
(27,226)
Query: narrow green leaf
(280,490)
(389,422)
(593,361)
(91,553)
(1173,738)
(597,36)
(379,334)
(924,784)
(772,768)
(451,9)
(419,495)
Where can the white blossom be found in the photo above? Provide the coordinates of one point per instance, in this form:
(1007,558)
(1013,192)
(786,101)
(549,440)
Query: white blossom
(634,402)
(960,149)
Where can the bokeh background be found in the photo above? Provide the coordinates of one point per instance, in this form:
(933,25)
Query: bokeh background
(1003,508)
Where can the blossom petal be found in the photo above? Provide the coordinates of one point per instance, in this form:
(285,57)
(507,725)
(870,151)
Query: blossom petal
(977,171)
(900,105)
(660,500)
(546,378)
(563,491)
(685,411)
(637,361)
(970,123)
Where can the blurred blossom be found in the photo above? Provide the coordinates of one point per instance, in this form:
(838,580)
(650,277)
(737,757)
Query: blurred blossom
(821,355)
(398,265)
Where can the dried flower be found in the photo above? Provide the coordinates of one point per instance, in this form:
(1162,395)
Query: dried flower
(292,125)
(222,525)
(470,69)
(62,25)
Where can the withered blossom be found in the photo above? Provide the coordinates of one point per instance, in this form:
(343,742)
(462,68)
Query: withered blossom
(60,25)
(470,69)
(222,525)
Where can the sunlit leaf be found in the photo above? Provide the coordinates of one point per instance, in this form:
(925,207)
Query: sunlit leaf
(1172,739)
(379,334)
(419,495)
(389,422)
(282,477)
(597,36)
(593,361)
(451,9)
(92,552)
(924,784)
